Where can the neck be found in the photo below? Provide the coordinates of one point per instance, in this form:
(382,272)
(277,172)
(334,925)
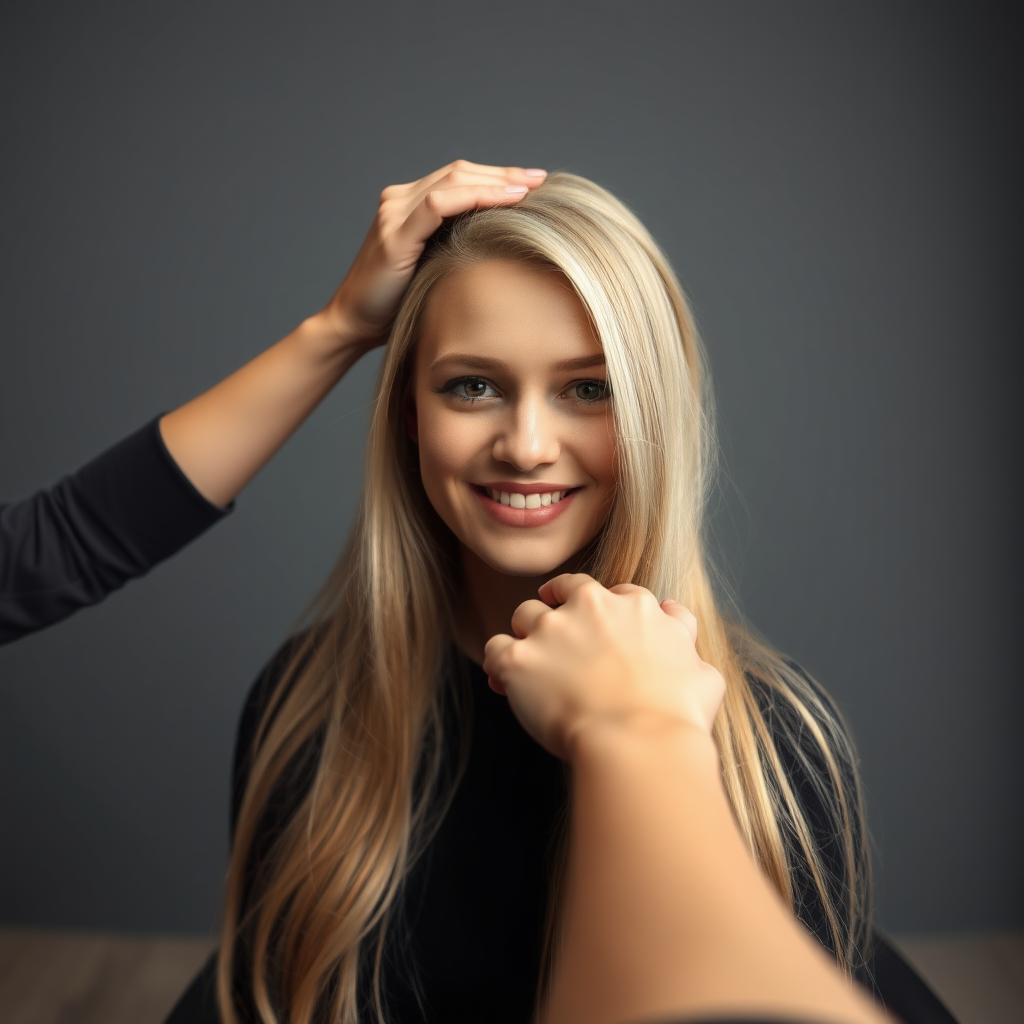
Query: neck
(487,599)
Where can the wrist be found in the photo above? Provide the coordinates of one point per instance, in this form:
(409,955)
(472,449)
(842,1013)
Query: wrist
(641,738)
(326,336)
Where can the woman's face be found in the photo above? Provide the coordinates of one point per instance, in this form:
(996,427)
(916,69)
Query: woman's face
(511,410)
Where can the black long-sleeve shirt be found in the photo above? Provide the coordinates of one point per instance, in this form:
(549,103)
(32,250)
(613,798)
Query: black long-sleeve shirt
(114,519)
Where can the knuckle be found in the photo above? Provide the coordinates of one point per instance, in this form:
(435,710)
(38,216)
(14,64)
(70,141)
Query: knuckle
(433,201)
(459,165)
(497,659)
(512,656)
(545,620)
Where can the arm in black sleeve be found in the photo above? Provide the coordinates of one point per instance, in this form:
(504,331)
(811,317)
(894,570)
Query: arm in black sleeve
(117,517)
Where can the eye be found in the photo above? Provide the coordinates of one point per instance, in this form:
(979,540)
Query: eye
(466,389)
(590,392)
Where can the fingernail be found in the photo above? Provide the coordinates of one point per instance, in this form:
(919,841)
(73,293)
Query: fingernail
(516,189)
(535,172)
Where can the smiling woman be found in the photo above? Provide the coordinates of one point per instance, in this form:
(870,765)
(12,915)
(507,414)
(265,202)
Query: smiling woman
(542,407)
(524,443)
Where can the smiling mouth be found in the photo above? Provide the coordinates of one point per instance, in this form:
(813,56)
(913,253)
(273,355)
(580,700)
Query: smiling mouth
(513,499)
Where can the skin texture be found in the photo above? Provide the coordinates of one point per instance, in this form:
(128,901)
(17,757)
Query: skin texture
(506,335)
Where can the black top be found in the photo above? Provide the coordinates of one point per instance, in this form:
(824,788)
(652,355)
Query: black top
(117,517)
(473,908)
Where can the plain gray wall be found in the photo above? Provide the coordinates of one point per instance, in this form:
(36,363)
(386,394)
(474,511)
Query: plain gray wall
(838,186)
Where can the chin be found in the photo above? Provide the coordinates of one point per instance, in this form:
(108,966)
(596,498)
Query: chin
(526,565)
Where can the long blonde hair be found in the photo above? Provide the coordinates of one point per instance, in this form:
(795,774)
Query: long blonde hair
(358,714)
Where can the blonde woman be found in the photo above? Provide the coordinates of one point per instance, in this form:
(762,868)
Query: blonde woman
(543,407)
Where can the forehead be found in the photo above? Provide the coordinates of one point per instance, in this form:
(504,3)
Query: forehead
(503,308)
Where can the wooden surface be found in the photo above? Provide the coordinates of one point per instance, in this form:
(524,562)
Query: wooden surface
(979,977)
(51,977)
(54,977)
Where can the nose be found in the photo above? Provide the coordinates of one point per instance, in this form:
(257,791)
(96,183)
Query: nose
(527,436)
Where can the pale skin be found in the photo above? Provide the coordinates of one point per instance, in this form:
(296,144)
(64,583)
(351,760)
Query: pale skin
(519,344)
(667,911)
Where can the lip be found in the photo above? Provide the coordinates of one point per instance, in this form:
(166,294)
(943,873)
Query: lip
(508,516)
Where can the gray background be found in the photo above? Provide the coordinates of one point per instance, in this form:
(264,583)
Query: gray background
(838,186)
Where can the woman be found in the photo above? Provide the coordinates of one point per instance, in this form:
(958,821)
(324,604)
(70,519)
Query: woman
(543,407)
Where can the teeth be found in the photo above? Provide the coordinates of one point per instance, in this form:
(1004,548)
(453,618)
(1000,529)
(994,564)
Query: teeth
(515,500)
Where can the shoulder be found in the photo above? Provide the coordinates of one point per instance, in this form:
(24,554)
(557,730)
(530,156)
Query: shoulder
(815,760)
(261,693)
(805,723)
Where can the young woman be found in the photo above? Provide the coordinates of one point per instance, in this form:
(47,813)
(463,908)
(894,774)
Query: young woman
(543,407)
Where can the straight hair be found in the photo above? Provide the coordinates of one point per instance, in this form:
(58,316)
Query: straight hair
(364,689)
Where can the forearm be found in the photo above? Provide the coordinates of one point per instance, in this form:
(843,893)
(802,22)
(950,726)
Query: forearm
(667,913)
(222,438)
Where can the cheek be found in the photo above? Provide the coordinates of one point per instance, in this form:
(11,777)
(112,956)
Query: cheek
(605,459)
(447,450)
(595,447)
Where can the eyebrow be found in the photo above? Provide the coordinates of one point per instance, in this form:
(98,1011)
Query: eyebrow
(497,365)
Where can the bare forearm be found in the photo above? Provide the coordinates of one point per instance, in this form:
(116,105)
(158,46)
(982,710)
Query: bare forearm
(222,438)
(667,912)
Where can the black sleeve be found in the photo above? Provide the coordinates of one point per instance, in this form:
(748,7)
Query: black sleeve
(117,517)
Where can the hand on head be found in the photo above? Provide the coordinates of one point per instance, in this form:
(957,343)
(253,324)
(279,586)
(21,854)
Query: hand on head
(407,216)
(588,657)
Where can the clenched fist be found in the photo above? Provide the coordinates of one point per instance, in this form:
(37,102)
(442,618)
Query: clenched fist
(587,657)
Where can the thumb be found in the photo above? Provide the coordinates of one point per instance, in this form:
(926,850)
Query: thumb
(679,611)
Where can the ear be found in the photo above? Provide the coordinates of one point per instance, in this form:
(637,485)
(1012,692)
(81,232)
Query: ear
(409,412)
